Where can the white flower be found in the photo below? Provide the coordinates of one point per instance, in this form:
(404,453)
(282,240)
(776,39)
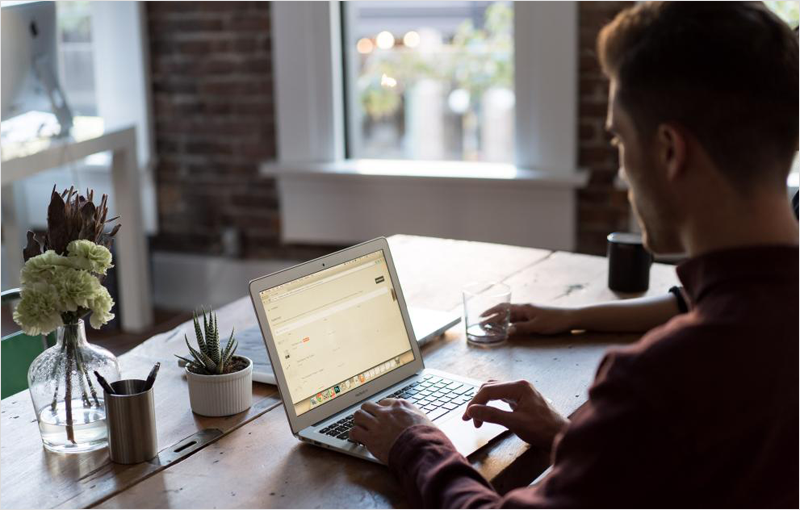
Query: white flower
(92,257)
(101,306)
(42,267)
(38,312)
(53,285)
(74,288)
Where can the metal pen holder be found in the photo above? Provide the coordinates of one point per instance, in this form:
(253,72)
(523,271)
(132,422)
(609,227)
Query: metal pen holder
(131,422)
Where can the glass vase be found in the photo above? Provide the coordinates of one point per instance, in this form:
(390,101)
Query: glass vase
(66,396)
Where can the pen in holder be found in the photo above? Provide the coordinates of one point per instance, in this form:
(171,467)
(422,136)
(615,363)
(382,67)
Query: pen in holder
(131,422)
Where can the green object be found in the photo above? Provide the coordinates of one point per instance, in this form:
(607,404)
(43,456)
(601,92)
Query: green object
(17,351)
(210,358)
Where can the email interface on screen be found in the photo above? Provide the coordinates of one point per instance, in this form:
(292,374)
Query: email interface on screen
(337,329)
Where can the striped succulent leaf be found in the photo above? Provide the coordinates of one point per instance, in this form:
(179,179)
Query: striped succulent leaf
(209,358)
(198,333)
(212,340)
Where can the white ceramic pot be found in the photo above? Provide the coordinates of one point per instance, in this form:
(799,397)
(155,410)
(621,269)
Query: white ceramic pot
(221,395)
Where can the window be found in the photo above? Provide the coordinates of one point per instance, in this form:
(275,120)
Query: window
(430,80)
(76,59)
(332,192)
(789,11)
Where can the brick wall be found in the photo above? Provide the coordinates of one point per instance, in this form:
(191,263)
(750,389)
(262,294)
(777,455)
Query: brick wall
(601,208)
(214,122)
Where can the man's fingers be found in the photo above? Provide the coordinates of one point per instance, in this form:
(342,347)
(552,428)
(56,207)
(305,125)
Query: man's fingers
(364,419)
(497,318)
(497,391)
(496,309)
(487,383)
(372,408)
(359,434)
(481,413)
(515,312)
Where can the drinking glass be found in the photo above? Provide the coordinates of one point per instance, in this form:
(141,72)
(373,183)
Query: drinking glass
(486,314)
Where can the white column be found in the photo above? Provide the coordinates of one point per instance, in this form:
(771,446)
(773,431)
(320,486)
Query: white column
(132,261)
(307,72)
(122,85)
(425,120)
(497,125)
(546,85)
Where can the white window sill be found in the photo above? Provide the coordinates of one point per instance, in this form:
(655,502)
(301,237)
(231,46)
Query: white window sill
(354,200)
(443,171)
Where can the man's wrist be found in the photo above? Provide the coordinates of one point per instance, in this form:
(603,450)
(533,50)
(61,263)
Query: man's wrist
(576,317)
(558,424)
(405,448)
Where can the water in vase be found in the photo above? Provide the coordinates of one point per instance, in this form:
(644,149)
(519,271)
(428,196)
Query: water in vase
(88,430)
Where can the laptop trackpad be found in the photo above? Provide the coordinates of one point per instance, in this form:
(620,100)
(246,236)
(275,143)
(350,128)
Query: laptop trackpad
(465,437)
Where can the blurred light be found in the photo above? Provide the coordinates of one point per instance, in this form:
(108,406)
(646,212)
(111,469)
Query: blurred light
(411,39)
(385,40)
(364,46)
(503,98)
(458,101)
(388,81)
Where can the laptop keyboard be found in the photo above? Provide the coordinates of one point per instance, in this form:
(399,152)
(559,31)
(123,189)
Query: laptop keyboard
(435,396)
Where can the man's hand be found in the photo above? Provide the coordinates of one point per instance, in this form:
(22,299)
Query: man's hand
(532,418)
(377,426)
(532,319)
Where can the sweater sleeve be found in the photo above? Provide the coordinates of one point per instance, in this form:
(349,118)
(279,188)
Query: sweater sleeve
(599,459)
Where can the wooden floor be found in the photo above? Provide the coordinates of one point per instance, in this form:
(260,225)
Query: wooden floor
(113,339)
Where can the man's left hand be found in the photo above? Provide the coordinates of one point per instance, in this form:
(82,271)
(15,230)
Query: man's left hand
(377,426)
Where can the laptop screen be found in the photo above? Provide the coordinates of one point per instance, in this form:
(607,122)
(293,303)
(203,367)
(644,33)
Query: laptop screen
(336,329)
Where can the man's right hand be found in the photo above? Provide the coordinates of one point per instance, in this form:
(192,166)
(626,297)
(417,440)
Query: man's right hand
(533,319)
(532,418)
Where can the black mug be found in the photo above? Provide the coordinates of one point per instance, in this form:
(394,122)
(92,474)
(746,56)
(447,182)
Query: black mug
(628,263)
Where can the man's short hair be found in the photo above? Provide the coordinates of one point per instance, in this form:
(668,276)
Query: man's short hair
(725,71)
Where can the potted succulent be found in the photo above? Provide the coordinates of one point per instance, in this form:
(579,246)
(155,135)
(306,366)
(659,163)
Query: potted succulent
(220,382)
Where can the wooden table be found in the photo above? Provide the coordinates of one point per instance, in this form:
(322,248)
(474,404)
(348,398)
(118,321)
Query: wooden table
(252,460)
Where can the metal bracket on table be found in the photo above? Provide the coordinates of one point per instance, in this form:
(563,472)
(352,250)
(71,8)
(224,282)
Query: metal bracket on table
(186,447)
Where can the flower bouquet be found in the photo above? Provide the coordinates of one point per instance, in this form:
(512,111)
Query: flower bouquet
(61,283)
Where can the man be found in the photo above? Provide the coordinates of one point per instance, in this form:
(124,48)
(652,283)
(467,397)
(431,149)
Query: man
(703,411)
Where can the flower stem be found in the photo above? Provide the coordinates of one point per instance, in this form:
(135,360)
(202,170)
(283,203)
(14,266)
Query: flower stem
(68,393)
(54,404)
(82,368)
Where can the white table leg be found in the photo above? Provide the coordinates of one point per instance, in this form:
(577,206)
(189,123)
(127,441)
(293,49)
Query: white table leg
(13,236)
(131,242)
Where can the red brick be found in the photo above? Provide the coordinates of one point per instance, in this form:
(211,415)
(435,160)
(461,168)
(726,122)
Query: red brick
(244,45)
(601,207)
(183,25)
(249,22)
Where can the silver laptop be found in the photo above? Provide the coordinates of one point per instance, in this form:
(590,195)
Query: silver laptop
(338,334)
(428,325)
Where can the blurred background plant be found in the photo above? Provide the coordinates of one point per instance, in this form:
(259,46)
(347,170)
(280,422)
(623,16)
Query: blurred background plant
(458,78)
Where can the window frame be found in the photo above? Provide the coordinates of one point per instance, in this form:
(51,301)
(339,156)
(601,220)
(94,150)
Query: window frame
(323,195)
(310,91)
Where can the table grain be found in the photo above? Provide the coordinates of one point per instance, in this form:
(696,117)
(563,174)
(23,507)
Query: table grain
(258,463)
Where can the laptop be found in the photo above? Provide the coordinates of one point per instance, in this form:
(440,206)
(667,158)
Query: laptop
(338,334)
(428,325)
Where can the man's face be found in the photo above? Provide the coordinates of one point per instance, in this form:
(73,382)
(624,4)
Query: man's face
(647,183)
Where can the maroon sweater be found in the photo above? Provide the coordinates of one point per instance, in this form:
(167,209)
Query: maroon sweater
(702,412)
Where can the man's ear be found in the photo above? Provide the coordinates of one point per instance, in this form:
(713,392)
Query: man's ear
(671,150)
